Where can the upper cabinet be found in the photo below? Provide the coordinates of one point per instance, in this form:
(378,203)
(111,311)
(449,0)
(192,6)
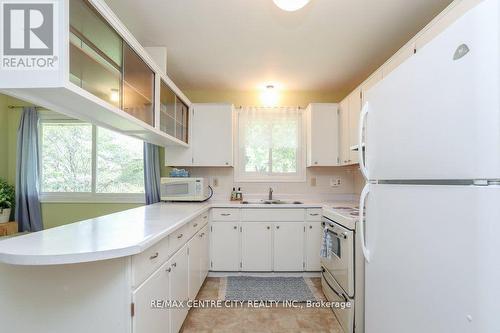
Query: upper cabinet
(211,138)
(174,114)
(97,72)
(322,140)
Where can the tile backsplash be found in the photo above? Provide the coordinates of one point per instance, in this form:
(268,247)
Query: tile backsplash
(317,186)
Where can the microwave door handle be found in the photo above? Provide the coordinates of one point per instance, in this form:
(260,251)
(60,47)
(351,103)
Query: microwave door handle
(361,222)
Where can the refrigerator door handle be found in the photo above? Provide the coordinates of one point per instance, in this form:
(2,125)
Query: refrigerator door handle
(361,145)
(361,223)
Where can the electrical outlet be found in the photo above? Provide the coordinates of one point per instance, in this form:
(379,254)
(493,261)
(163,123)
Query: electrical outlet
(215,182)
(335,182)
(313,181)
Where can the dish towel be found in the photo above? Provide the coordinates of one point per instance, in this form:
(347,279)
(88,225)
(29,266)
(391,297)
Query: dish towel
(326,245)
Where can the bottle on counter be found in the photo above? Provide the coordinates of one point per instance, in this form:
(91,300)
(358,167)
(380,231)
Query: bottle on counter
(233,194)
(239,194)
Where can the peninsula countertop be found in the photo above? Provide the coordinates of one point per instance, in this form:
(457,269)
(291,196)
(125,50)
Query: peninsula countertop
(111,236)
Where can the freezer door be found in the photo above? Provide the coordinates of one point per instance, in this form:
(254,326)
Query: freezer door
(437,116)
(433,259)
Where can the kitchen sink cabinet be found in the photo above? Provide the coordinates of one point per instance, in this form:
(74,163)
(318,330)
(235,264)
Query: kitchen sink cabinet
(256,246)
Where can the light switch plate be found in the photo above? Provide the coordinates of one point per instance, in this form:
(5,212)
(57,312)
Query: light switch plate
(313,181)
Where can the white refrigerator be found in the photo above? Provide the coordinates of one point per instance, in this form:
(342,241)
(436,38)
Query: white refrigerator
(431,131)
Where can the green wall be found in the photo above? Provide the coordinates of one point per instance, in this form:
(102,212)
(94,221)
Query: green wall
(53,214)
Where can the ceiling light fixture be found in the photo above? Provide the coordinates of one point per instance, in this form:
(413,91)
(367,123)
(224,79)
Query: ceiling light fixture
(269,96)
(291,5)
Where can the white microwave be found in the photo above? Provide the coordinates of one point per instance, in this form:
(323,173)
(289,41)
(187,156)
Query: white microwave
(183,189)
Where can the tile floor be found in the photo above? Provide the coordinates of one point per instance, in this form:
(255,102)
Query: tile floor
(257,320)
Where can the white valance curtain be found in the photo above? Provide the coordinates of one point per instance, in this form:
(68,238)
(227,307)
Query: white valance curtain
(270,143)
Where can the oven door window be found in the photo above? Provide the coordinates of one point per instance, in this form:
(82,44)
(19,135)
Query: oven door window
(336,246)
(176,189)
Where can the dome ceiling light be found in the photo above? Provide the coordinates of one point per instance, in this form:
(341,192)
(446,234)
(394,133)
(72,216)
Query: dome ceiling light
(291,5)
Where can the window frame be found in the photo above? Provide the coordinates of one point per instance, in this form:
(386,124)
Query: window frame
(241,176)
(47,117)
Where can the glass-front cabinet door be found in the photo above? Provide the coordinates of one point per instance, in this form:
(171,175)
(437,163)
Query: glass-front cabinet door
(138,86)
(174,114)
(95,54)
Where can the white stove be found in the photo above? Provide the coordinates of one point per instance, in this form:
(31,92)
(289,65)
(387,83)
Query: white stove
(343,270)
(344,214)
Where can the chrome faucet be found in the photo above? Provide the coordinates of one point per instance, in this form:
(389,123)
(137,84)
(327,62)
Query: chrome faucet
(270,193)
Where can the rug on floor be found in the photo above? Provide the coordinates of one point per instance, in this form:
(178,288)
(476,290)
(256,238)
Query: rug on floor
(252,288)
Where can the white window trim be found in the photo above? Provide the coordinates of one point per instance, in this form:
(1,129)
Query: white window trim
(299,177)
(80,197)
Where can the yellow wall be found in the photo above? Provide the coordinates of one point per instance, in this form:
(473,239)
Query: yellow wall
(252,98)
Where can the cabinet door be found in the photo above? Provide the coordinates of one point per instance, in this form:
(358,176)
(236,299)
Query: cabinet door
(179,290)
(368,84)
(194,259)
(225,246)
(256,246)
(212,135)
(313,246)
(288,246)
(204,257)
(322,134)
(177,156)
(344,132)
(146,319)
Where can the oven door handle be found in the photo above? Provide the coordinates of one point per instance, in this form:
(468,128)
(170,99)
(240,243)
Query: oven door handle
(336,234)
(342,296)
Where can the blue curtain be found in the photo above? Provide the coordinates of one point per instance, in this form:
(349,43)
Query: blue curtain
(151,173)
(28,211)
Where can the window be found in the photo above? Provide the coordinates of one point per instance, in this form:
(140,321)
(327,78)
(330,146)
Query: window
(270,145)
(84,163)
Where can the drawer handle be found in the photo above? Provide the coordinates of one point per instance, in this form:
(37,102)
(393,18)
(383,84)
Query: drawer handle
(195,225)
(310,227)
(314,214)
(235,227)
(174,264)
(168,270)
(225,214)
(205,217)
(180,236)
(277,227)
(154,256)
(268,227)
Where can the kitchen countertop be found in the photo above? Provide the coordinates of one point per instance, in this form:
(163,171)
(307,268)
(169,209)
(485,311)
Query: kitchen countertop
(111,236)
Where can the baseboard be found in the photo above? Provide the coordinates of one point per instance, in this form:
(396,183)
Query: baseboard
(224,274)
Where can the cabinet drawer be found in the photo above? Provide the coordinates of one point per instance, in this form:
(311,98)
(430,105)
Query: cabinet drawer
(226,214)
(195,225)
(145,263)
(313,214)
(272,214)
(178,238)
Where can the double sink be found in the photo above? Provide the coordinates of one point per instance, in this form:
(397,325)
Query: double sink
(272,202)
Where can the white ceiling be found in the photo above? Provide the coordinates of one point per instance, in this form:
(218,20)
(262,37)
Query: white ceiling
(330,45)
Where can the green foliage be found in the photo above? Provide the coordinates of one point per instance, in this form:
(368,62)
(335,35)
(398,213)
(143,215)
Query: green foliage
(7,195)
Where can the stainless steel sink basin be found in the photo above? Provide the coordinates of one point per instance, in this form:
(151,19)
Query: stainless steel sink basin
(272,202)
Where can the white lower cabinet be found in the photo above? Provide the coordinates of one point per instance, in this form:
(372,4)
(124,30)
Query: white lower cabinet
(156,287)
(179,290)
(225,246)
(198,261)
(312,246)
(256,246)
(288,247)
